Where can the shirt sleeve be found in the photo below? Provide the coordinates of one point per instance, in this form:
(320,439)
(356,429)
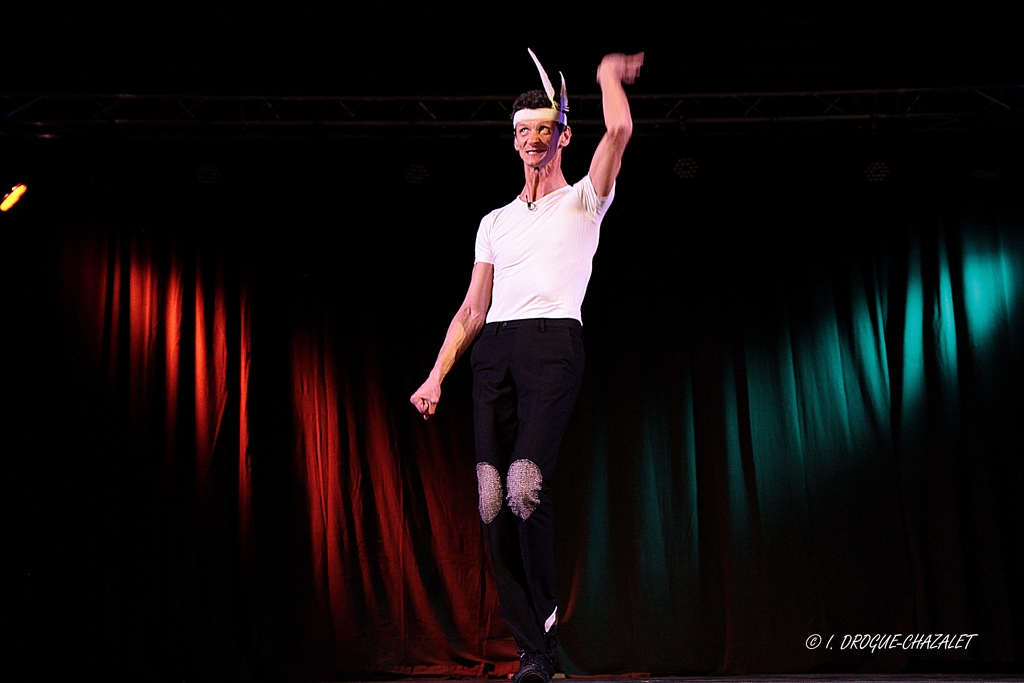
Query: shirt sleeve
(484,253)
(592,204)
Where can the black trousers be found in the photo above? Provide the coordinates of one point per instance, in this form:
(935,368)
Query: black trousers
(526,376)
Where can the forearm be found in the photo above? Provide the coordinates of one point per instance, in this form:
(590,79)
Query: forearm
(463,330)
(614,70)
(618,120)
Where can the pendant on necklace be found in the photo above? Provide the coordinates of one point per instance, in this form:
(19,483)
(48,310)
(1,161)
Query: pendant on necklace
(532,206)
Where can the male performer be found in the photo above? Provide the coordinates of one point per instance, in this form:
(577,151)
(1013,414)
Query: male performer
(533,263)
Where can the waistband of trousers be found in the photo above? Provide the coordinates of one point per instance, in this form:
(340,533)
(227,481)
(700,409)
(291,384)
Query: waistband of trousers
(540,324)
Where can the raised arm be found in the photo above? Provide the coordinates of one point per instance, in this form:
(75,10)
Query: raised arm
(614,70)
(464,328)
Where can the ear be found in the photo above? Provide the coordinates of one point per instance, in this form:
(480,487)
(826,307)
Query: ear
(563,139)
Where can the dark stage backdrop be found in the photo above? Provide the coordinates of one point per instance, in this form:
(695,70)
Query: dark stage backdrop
(801,412)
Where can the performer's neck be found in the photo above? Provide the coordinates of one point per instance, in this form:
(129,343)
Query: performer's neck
(542,181)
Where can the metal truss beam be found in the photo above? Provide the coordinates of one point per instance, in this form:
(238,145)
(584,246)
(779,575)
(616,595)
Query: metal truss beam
(222,116)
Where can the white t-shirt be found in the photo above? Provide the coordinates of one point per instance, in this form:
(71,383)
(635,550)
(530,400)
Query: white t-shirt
(542,258)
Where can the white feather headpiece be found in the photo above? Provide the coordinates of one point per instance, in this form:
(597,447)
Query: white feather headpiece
(559,107)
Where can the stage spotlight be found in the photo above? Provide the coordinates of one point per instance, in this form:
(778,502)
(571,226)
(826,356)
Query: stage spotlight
(12,197)
(876,171)
(415,174)
(686,168)
(208,174)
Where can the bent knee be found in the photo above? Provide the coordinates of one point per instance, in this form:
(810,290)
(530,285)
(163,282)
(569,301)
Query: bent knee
(524,484)
(488,486)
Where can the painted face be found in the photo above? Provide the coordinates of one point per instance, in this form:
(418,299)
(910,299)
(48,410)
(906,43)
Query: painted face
(538,141)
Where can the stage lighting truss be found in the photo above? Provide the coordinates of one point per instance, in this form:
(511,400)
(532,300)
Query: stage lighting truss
(167,116)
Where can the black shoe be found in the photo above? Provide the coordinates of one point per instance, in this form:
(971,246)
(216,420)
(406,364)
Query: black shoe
(534,668)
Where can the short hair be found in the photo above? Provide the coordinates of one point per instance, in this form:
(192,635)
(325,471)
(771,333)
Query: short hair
(534,99)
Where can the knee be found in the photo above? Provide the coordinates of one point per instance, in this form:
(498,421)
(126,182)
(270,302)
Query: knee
(488,486)
(524,484)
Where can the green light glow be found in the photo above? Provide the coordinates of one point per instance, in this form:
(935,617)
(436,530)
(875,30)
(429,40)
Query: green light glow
(654,524)
(991,288)
(913,334)
(868,353)
(777,435)
(668,537)
(944,325)
(739,506)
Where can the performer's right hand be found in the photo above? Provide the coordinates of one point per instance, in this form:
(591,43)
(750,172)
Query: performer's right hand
(426,397)
(623,68)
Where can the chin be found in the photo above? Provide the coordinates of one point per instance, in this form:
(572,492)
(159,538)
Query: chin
(538,162)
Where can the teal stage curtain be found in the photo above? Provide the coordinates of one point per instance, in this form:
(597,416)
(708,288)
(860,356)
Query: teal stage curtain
(833,455)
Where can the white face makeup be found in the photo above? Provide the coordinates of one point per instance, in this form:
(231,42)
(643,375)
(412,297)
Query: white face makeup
(539,133)
(537,141)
